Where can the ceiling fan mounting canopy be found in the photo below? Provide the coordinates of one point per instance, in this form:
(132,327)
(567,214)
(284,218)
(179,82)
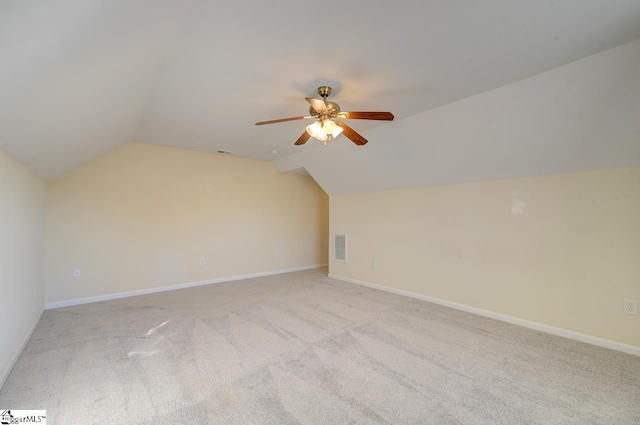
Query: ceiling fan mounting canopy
(324,91)
(325,128)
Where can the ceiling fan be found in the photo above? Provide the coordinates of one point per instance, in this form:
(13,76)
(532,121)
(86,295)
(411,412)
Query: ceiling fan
(326,127)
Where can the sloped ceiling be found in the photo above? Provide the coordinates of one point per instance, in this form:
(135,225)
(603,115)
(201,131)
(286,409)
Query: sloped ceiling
(79,78)
(580,116)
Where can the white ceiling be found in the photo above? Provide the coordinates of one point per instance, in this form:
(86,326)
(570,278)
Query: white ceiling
(580,116)
(79,78)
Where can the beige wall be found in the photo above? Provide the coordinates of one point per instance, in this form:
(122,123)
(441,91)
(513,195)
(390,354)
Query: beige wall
(22,222)
(562,250)
(142,217)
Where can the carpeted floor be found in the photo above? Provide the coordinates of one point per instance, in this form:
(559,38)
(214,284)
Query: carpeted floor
(301,348)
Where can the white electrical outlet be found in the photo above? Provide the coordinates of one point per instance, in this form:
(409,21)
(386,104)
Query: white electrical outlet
(30,294)
(290,253)
(373,264)
(203,261)
(76,272)
(631,307)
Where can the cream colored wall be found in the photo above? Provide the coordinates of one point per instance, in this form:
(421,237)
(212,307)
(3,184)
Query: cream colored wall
(562,250)
(22,232)
(142,217)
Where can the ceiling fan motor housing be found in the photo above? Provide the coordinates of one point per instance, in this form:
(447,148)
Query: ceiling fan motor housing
(332,108)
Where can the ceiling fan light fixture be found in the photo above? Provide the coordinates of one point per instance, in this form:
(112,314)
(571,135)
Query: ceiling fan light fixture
(314,129)
(322,136)
(329,126)
(323,131)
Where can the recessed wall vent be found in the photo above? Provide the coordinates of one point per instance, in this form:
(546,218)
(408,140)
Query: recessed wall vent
(340,248)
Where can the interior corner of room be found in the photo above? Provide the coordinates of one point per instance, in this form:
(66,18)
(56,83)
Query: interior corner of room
(143,219)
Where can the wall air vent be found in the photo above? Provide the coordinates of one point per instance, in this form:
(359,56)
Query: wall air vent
(340,248)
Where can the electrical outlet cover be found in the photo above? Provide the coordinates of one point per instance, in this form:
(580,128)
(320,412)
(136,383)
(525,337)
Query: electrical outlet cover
(631,307)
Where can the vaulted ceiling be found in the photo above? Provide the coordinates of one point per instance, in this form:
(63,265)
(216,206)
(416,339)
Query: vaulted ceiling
(80,78)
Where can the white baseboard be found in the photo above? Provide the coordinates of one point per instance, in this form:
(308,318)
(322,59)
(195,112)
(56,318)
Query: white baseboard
(87,300)
(6,371)
(589,339)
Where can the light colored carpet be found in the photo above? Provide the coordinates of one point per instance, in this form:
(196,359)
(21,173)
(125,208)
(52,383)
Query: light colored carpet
(302,348)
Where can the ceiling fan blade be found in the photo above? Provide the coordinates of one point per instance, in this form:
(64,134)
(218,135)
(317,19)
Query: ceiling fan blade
(381,116)
(353,135)
(303,138)
(282,120)
(317,104)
